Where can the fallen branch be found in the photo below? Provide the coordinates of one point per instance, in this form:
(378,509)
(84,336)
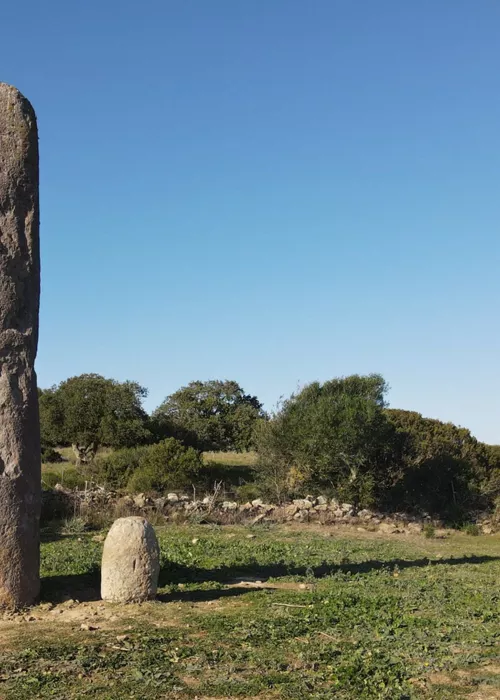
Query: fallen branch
(328,636)
(291,605)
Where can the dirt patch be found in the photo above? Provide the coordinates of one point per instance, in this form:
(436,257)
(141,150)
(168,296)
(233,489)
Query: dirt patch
(442,679)
(485,693)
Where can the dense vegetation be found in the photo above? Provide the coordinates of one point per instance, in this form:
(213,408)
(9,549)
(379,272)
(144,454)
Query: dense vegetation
(338,438)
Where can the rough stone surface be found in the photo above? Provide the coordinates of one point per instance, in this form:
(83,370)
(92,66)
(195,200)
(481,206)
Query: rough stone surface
(130,562)
(20,488)
(303,503)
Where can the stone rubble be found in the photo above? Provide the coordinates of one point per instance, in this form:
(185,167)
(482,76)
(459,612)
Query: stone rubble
(174,507)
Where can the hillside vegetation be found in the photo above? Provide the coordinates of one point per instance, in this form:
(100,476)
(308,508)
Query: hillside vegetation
(338,438)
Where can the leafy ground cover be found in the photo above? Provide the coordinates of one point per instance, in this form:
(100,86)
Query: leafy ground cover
(265,612)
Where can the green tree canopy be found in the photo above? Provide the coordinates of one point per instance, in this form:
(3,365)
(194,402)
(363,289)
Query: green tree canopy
(438,467)
(89,411)
(332,435)
(212,415)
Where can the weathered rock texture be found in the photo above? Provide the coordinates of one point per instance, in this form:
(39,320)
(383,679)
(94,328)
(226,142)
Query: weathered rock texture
(130,562)
(19,302)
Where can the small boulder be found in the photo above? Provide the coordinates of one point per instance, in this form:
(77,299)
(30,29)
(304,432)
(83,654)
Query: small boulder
(172,498)
(229,505)
(257,503)
(303,503)
(130,562)
(245,507)
(140,500)
(321,501)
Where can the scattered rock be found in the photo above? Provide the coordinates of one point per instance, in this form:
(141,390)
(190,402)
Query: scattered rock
(321,501)
(140,500)
(303,503)
(229,505)
(258,519)
(89,628)
(257,503)
(366,514)
(172,498)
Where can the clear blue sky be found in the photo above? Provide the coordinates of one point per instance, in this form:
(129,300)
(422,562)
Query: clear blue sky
(274,191)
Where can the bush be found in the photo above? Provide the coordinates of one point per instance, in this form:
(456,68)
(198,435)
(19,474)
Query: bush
(115,469)
(69,478)
(333,436)
(429,531)
(471,529)
(167,465)
(51,456)
(248,492)
(438,467)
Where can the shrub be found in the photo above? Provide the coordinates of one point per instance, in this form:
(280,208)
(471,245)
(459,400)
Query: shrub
(69,478)
(74,526)
(166,465)
(333,436)
(248,492)
(438,467)
(51,456)
(116,469)
(429,531)
(471,529)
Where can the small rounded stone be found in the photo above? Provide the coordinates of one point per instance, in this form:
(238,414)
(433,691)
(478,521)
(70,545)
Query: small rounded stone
(130,562)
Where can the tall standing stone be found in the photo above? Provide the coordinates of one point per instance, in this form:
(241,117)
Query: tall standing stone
(19,303)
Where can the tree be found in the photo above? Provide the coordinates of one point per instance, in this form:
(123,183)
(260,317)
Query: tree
(331,436)
(212,415)
(89,411)
(437,467)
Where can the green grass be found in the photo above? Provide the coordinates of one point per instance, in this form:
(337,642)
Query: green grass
(232,467)
(344,616)
(233,459)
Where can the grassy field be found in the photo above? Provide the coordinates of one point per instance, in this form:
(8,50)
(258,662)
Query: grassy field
(282,612)
(233,459)
(232,467)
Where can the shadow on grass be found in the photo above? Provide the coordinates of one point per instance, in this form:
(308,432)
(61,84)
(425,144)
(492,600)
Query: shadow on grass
(85,587)
(178,573)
